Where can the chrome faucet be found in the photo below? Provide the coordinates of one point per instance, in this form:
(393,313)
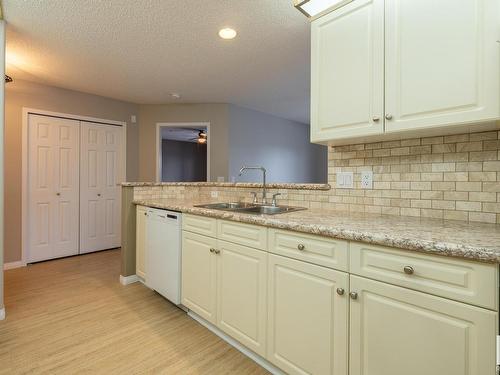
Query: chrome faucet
(264,192)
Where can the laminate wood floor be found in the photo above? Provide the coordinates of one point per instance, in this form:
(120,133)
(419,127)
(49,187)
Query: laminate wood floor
(72,316)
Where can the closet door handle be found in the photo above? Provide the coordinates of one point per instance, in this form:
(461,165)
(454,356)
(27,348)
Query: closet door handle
(58,194)
(98,194)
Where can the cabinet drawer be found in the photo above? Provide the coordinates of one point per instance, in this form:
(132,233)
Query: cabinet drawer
(243,234)
(457,279)
(200,224)
(323,251)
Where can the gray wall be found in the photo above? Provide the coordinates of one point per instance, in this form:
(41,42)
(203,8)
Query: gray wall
(281,146)
(215,114)
(183,161)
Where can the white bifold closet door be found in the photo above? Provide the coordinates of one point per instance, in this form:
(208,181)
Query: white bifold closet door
(101,173)
(53,187)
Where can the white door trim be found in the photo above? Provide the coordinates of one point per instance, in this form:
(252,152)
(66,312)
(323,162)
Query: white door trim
(158,154)
(24,169)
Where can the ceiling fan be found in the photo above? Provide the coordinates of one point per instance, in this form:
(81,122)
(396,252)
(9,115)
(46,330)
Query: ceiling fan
(202,137)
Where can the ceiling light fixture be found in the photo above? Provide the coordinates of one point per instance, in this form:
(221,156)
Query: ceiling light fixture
(313,8)
(227,33)
(175,95)
(202,137)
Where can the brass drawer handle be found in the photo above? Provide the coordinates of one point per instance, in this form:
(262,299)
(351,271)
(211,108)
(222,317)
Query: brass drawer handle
(301,247)
(340,291)
(408,270)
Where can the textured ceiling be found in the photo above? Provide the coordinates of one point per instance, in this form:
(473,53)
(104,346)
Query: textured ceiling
(141,51)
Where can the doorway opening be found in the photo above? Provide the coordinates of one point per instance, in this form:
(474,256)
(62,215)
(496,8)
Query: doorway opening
(183,152)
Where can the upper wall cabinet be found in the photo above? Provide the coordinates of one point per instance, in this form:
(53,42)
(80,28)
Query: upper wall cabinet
(347,81)
(441,67)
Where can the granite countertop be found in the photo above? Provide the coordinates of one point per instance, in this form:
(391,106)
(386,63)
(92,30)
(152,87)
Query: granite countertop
(475,241)
(232,184)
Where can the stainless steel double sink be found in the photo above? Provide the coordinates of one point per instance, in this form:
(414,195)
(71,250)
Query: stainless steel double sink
(250,208)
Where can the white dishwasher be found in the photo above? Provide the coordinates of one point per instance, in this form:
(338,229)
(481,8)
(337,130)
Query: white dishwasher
(163,253)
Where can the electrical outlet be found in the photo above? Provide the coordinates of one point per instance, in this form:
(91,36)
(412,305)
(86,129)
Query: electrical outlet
(367,180)
(345,180)
(214,194)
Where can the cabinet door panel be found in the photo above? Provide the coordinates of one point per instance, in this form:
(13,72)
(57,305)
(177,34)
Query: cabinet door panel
(398,331)
(241,294)
(347,77)
(442,62)
(199,275)
(307,319)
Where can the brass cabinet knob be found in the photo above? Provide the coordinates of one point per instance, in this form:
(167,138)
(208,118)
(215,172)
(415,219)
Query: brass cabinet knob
(353,295)
(216,251)
(340,291)
(408,270)
(301,247)
(212,250)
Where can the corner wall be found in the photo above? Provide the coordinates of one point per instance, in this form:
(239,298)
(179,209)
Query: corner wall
(281,146)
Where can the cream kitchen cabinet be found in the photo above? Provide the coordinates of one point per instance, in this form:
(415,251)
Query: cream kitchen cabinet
(242,294)
(198,291)
(347,72)
(307,317)
(141,237)
(226,283)
(396,331)
(437,62)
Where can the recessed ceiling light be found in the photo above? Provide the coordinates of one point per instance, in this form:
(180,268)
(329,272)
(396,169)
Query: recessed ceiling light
(175,95)
(227,33)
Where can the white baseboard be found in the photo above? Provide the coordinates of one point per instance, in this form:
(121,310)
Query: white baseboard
(125,280)
(253,356)
(2,314)
(12,265)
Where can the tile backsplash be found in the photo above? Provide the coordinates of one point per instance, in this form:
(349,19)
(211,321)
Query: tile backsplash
(450,177)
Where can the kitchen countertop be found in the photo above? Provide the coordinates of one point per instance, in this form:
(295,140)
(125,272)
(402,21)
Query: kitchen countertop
(232,184)
(475,241)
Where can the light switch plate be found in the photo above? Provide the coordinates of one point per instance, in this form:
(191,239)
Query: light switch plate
(367,180)
(345,180)
(214,194)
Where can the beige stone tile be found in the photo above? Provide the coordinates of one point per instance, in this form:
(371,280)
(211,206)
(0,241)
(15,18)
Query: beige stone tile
(421,167)
(433,176)
(420,185)
(483,136)
(432,158)
(400,203)
(468,206)
(491,166)
(432,140)
(483,156)
(373,146)
(482,196)
(410,176)
(456,157)
(456,215)
(381,152)
(491,187)
(391,210)
(400,185)
(443,167)
(482,176)
(410,211)
(443,148)
(400,151)
(443,205)
(471,166)
(432,194)
(491,207)
(391,144)
(456,176)
(436,185)
(410,142)
(411,194)
(435,214)
(491,145)
(456,138)
(456,195)
(469,146)
(482,217)
(421,203)
(468,186)
(420,150)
